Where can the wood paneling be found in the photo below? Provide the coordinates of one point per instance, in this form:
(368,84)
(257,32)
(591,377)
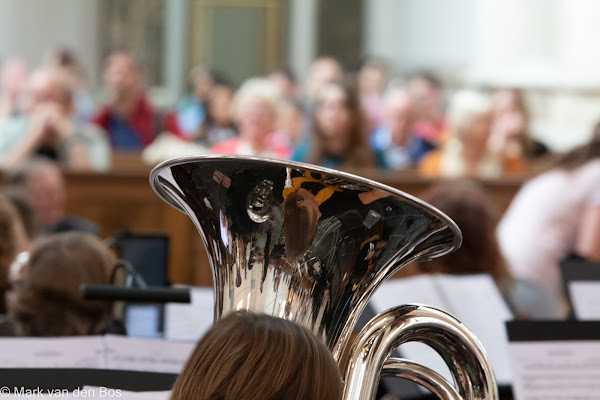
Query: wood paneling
(119,201)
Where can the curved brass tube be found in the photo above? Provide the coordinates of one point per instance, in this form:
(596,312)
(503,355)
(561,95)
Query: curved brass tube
(422,375)
(459,348)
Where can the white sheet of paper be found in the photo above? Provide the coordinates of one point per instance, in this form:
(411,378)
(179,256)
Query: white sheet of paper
(151,355)
(70,352)
(190,321)
(556,370)
(585,296)
(476,302)
(473,299)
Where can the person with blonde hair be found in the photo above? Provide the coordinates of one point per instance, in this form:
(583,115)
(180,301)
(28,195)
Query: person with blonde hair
(466,151)
(255,108)
(248,356)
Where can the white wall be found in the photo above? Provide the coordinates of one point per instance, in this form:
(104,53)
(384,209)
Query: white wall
(30,28)
(414,34)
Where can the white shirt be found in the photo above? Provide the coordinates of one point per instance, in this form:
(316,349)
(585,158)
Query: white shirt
(540,227)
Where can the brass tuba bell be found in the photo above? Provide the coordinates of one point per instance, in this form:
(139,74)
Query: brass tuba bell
(311,245)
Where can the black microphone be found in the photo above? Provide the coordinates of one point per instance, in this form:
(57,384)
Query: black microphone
(136,295)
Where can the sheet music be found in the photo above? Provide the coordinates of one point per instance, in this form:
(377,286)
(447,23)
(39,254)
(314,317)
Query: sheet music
(190,321)
(71,352)
(138,354)
(585,296)
(473,299)
(96,352)
(556,370)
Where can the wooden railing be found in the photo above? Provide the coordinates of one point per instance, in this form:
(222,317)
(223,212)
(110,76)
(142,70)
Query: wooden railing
(124,201)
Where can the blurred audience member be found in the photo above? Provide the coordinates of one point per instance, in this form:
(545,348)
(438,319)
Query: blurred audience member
(50,128)
(372,80)
(130,120)
(290,123)
(338,139)
(218,123)
(83,104)
(510,131)
(322,71)
(394,139)
(467,204)
(285,81)
(18,198)
(256,356)
(13,240)
(255,111)
(191,114)
(554,215)
(44,186)
(467,152)
(39,304)
(13,82)
(426,90)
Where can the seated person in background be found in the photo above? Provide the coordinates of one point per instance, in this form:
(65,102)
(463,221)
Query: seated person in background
(427,93)
(256,356)
(191,111)
(45,299)
(322,71)
(19,199)
(372,79)
(50,127)
(130,120)
(554,215)
(217,125)
(67,61)
(286,83)
(290,123)
(13,82)
(43,185)
(466,151)
(255,112)
(338,139)
(510,130)
(13,240)
(469,207)
(395,139)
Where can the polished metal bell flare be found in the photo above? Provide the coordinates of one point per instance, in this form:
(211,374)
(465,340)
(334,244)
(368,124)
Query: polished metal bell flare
(301,242)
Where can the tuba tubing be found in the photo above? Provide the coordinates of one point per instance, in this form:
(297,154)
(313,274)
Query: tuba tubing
(460,349)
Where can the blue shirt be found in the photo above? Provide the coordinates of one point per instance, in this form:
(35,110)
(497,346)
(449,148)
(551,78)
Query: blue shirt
(392,156)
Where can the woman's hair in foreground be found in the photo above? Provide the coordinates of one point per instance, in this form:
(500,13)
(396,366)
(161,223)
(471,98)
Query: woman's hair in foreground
(467,204)
(247,356)
(582,154)
(45,299)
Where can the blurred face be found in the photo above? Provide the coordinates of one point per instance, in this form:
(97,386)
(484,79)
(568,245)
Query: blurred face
(256,120)
(46,88)
(46,189)
(122,75)
(290,122)
(427,99)
(332,115)
(284,85)
(371,80)
(504,101)
(399,117)
(203,85)
(323,71)
(220,105)
(476,132)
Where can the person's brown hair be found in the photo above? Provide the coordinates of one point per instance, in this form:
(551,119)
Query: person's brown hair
(358,154)
(45,299)
(467,204)
(247,356)
(582,154)
(9,242)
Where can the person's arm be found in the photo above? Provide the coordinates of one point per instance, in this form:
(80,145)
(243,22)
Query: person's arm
(32,137)
(588,236)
